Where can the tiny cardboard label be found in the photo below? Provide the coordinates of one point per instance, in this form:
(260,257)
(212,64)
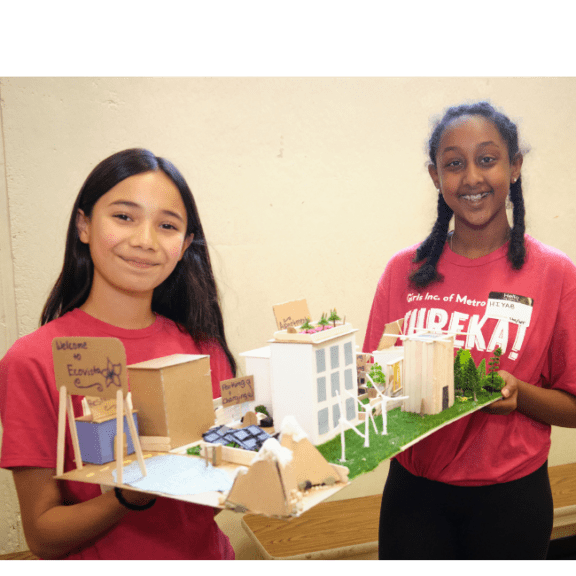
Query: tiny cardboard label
(390,331)
(90,366)
(101,408)
(237,391)
(291,314)
(512,307)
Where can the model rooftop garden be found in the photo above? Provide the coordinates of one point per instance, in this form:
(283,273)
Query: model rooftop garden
(325,323)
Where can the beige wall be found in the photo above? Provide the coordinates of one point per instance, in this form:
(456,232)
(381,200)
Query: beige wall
(306,187)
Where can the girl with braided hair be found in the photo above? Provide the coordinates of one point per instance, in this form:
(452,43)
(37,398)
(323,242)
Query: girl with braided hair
(431,249)
(478,488)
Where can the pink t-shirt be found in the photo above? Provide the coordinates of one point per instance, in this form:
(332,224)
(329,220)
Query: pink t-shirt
(170,529)
(539,348)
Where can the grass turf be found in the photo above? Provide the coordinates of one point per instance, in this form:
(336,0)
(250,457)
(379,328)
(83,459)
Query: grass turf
(403,428)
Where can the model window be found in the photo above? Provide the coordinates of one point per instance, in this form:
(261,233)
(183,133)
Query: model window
(335,379)
(334,357)
(320,360)
(348,355)
(336,414)
(348,379)
(323,421)
(350,409)
(321,389)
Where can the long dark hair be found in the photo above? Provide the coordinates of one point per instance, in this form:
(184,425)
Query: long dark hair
(431,248)
(189,296)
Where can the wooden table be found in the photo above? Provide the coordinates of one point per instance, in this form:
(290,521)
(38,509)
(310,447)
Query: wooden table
(348,528)
(563,482)
(330,530)
(26,555)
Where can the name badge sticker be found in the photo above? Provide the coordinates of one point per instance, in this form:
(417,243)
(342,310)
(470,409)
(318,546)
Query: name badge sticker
(512,307)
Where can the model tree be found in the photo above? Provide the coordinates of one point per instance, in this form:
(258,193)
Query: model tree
(472,378)
(378,377)
(464,357)
(470,381)
(482,369)
(493,381)
(458,373)
(306,325)
(323,320)
(494,362)
(334,317)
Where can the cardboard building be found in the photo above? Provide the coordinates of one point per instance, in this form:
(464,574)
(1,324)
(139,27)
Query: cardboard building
(428,372)
(173,396)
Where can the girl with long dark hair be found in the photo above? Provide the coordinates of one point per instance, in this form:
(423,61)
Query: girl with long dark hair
(136,267)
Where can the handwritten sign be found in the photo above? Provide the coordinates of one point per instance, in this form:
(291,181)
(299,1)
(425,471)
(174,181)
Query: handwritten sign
(90,366)
(291,314)
(237,391)
(101,408)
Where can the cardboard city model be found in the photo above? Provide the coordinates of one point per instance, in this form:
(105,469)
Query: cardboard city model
(326,430)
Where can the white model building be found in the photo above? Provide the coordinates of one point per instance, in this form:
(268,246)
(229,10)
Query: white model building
(258,365)
(309,380)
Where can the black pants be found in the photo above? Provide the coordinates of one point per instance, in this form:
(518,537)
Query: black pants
(421,519)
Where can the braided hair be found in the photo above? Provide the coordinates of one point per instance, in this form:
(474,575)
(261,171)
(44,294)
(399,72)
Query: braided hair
(431,248)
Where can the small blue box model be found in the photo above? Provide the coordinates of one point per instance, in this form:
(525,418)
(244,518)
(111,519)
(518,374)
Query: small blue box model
(96,439)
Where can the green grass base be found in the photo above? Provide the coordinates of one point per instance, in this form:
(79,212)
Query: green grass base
(403,428)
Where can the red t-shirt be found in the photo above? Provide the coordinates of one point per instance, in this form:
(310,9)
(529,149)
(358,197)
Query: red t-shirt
(170,529)
(482,448)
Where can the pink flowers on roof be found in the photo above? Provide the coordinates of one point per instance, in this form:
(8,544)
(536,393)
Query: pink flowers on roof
(322,324)
(316,329)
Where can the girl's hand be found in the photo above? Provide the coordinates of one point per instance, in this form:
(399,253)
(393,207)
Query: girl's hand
(509,392)
(554,407)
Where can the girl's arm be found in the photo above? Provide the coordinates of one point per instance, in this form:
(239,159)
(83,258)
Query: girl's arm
(53,529)
(554,407)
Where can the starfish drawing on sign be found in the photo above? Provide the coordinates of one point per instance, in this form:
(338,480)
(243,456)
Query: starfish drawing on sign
(112,374)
